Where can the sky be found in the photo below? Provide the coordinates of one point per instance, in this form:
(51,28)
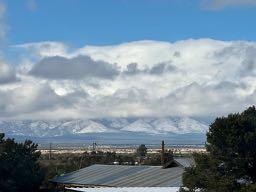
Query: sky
(126,58)
(97,22)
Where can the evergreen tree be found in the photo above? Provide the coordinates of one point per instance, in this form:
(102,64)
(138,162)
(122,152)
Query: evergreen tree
(19,168)
(142,150)
(230,161)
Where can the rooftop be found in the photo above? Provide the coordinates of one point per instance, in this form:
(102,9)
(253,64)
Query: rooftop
(127,189)
(125,176)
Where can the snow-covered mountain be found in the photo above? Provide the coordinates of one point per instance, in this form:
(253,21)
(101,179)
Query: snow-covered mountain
(177,125)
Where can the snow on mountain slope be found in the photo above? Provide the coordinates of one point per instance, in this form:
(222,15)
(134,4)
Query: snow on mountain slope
(188,125)
(115,124)
(178,125)
(165,125)
(92,127)
(141,125)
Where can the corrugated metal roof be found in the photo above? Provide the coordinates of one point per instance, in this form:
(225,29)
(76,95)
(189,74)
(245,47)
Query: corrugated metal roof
(185,162)
(124,176)
(128,189)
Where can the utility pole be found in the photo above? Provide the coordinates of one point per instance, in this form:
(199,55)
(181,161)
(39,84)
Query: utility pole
(162,154)
(81,160)
(50,151)
(94,144)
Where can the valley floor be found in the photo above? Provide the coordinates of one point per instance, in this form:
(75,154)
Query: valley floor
(126,150)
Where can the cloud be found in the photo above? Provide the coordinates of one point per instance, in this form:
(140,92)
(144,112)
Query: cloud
(196,99)
(27,98)
(162,68)
(145,53)
(220,4)
(38,101)
(45,49)
(75,68)
(158,69)
(7,73)
(249,62)
(196,77)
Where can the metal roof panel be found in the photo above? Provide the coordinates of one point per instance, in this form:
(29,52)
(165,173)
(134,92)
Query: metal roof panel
(124,176)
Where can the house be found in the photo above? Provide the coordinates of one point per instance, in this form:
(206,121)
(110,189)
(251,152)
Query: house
(125,176)
(168,175)
(125,189)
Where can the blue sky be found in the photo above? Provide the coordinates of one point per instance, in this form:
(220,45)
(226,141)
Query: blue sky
(98,22)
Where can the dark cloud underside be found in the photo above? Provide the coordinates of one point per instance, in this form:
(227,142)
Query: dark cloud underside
(75,68)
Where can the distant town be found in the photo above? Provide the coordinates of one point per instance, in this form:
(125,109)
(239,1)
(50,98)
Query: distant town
(128,149)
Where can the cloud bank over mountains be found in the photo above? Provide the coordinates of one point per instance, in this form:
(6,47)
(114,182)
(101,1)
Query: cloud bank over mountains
(195,77)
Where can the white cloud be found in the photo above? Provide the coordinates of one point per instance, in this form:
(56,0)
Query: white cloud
(7,73)
(199,78)
(45,49)
(145,53)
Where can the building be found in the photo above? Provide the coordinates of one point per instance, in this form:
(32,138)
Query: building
(125,189)
(119,177)
(125,176)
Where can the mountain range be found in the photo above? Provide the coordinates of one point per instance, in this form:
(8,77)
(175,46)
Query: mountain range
(56,128)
